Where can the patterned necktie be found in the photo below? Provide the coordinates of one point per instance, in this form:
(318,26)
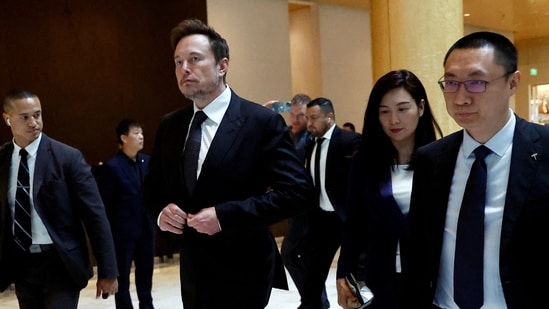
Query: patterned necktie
(317,163)
(22,218)
(469,255)
(192,149)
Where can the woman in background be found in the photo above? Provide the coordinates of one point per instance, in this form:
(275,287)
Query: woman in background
(398,120)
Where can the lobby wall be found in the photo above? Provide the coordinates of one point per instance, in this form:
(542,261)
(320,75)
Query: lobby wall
(92,65)
(267,61)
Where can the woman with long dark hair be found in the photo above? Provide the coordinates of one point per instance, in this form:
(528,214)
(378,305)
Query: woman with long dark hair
(397,121)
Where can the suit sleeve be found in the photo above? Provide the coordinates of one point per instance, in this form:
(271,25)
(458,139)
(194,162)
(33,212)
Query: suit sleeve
(353,240)
(278,167)
(86,197)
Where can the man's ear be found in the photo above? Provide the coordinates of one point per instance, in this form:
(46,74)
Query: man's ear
(223,66)
(514,81)
(6,119)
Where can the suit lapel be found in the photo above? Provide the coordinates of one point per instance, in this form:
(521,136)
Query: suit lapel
(388,208)
(5,214)
(5,159)
(333,158)
(333,149)
(444,162)
(178,141)
(142,165)
(40,167)
(225,137)
(522,174)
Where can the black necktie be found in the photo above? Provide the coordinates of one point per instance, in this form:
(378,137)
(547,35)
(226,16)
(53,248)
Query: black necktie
(469,255)
(192,149)
(317,163)
(22,215)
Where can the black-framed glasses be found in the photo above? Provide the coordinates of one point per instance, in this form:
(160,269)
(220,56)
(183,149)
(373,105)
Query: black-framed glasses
(472,86)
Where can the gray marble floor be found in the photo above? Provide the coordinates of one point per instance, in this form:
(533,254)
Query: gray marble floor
(166,292)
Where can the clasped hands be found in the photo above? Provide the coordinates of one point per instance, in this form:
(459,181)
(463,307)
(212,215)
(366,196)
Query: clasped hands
(174,220)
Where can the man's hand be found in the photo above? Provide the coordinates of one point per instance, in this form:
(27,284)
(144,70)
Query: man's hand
(172,219)
(106,287)
(205,221)
(344,294)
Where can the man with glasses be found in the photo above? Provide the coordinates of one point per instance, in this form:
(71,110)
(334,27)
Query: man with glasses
(482,251)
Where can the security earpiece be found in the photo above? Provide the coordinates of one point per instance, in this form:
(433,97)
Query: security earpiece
(8,122)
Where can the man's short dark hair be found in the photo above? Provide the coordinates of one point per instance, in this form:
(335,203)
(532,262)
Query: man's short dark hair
(505,52)
(123,128)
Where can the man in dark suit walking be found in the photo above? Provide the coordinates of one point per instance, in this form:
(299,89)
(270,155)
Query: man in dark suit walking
(221,182)
(297,225)
(120,182)
(480,77)
(43,248)
(328,160)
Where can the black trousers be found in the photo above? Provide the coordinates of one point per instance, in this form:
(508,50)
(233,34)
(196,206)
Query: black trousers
(42,281)
(141,253)
(320,247)
(292,252)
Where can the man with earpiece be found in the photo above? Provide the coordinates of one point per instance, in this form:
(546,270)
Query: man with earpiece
(328,160)
(49,208)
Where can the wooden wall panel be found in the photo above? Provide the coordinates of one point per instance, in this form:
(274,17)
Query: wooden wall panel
(92,64)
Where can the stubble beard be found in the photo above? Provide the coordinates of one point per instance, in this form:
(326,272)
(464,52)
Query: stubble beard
(203,94)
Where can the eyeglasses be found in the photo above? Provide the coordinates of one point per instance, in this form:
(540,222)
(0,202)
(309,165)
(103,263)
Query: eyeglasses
(472,86)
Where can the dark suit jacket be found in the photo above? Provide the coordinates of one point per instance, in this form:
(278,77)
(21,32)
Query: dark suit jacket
(66,198)
(375,226)
(343,145)
(120,188)
(524,232)
(251,152)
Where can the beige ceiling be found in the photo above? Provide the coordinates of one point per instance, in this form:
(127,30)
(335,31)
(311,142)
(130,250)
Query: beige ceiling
(527,19)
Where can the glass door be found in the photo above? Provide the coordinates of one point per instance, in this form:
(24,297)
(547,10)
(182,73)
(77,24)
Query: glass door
(539,104)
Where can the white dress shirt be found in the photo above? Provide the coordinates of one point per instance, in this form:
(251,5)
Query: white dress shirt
(40,234)
(325,203)
(215,112)
(401,182)
(498,164)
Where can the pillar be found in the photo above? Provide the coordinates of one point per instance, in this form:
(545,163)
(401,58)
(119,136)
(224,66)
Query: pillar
(415,35)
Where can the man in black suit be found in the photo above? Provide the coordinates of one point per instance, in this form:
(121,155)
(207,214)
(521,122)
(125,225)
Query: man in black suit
(291,248)
(480,76)
(65,206)
(328,163)
(248,176)
(120,182)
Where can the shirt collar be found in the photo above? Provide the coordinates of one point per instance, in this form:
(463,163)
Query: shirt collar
(328,134)
(216,109)
(31,148)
